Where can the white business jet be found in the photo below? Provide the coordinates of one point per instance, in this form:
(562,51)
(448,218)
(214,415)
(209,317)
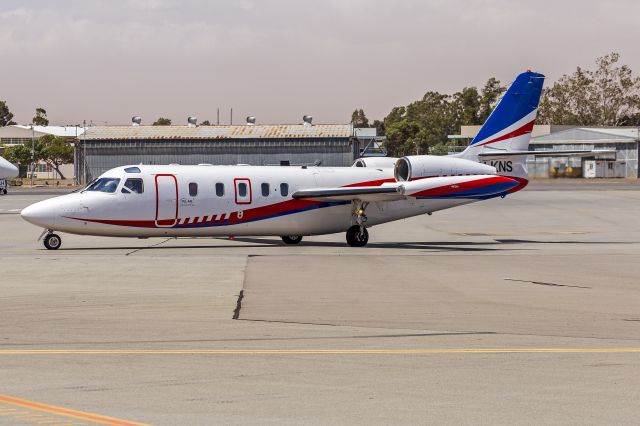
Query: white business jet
(7,171)
(292,202)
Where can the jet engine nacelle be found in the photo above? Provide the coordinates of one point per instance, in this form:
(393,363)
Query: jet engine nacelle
(423,166)
(376,162)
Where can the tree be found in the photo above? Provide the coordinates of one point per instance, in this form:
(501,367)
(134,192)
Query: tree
(359,119)
(489,97)
(56,151)
(379,125)
(205,123)
(5,115)
(21,153)
(424,125)
(41,117)
(162,122)
(606,96)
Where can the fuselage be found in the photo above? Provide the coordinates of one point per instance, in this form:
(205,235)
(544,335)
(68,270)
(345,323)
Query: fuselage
(205,200)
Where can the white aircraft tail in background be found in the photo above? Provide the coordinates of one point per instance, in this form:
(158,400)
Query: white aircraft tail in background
(7,171)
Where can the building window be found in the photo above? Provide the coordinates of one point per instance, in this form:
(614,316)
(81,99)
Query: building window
(193,189)
(284,189)
(265,189)
(220,189)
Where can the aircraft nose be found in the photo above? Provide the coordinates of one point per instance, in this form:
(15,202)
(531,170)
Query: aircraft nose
(41,214)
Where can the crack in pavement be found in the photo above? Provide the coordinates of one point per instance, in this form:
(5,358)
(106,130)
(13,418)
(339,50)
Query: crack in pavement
(151,246)
(543,283)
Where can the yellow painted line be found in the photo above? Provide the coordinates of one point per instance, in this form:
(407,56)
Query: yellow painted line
(408,351)
(66,412)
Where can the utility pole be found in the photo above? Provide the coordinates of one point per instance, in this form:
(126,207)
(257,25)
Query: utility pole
(84,150)
(75,155)
(33,153)
(231,116)
(218,120)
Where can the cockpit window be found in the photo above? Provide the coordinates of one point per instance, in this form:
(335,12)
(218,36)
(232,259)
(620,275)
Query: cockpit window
(132,170)
(104,185)
(133,185)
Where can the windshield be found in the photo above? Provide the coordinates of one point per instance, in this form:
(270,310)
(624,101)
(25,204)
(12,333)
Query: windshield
(104,185)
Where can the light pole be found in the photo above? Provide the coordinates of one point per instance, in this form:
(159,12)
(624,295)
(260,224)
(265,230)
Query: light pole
(33,153)
(84,150)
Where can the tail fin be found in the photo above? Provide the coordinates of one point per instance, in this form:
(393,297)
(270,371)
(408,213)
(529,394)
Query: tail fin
(508,128)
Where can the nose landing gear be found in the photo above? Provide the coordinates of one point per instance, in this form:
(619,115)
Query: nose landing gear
(51,241)
(357,235)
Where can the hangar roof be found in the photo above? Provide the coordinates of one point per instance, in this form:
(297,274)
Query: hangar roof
(258,131)
(66,131)
(24,131)
(590,135)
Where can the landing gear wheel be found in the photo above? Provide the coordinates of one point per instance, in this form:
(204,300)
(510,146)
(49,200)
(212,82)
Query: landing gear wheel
(4,191)
(52,241)
(357,236)
(291,239)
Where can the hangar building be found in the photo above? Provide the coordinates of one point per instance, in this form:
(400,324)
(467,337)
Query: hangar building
(104,147)
(622,143)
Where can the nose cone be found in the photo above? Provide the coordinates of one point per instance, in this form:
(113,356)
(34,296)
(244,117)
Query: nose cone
(43,214)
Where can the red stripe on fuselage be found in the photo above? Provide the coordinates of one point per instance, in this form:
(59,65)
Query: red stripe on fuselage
(463,186)
(370,183)
(522,182)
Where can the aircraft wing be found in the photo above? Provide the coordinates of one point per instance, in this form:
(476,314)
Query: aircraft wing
(467,186)
(549,153)
(364,193)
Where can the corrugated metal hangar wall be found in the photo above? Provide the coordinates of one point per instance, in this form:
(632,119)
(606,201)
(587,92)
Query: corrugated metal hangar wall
(107,147)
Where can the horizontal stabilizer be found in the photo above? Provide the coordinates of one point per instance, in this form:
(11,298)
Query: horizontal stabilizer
(549,153)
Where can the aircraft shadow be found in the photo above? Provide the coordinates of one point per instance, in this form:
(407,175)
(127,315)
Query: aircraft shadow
(444,246)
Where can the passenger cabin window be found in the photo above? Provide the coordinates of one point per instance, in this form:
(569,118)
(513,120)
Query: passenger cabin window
(220,189)
(265,189)
(106,184)
(284,189)
(242,189)
(135,186)
(193,189)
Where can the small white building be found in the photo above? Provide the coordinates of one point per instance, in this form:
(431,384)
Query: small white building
(24,134)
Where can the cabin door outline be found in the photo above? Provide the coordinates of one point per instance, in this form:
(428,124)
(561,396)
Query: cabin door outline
(166,200)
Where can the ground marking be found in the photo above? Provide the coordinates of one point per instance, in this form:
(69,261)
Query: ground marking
(391,351)
(58,411)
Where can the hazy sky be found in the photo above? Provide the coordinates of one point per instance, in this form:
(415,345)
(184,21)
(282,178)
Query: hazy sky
(280,59)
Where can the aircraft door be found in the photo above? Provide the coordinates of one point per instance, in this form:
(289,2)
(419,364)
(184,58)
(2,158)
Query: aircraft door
(166,200)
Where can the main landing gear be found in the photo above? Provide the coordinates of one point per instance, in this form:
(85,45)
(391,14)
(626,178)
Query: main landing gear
(291,239)
(51,241)
(357,235)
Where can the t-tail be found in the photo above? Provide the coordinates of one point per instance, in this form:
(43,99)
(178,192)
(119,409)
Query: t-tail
(503,140)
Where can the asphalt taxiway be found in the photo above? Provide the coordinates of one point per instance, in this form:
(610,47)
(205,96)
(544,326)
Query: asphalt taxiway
(524,310)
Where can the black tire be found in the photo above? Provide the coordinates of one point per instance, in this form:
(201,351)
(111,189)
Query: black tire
(356,237)
(4,191)
(292,239)
(52,241)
